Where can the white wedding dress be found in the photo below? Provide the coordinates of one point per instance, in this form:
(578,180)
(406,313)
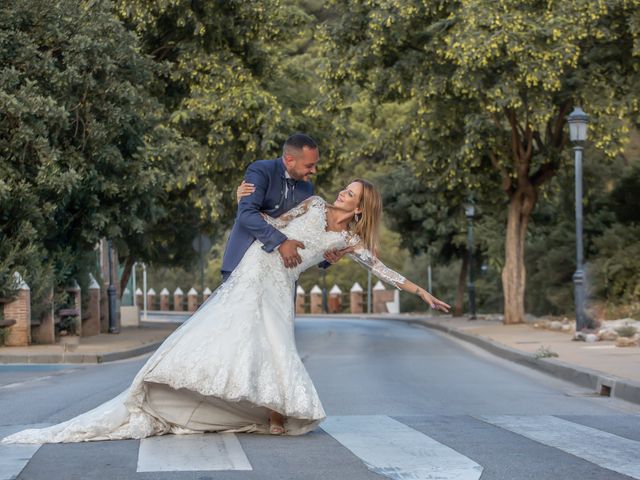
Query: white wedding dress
(233,360)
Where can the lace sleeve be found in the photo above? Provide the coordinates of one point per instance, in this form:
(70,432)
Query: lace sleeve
(300,209)
(369,261)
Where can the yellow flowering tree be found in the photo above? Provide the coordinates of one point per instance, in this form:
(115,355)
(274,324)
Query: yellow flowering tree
(485,87)
(220,60)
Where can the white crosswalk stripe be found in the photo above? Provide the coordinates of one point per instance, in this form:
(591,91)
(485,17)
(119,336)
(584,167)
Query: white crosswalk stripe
(172,453)
(394,450)
(13,458)
(604,449)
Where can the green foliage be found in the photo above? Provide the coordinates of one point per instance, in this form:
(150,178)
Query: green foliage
(474,95)
(617,267)
(545,352)
(77,118)
(222,61)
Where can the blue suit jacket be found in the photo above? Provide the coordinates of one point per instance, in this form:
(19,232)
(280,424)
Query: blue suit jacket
(268,176)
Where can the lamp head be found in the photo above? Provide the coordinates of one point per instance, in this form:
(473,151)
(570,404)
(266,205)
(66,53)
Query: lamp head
(578,122)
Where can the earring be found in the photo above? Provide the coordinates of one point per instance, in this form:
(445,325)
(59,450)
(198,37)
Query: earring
(357,217)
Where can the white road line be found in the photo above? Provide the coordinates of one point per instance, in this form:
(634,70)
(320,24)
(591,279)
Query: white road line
(390,448)
(211,451)
(602,448)
(14,457)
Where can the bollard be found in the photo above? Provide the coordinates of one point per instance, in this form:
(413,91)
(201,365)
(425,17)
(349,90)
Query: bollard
(19,309)
(45,331)
(299,299)
(206,294)
(315,298)
(192,300)
(380,298)
(356,299)
(335,299)
(91,326)
(151,299)
(139,299)
(74,291)
(164,299)
(178,297)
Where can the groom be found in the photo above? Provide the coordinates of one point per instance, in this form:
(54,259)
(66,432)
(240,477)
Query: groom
(279,185)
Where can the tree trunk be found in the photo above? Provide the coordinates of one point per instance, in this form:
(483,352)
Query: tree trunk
(521,204)
(458,307)
(126,273)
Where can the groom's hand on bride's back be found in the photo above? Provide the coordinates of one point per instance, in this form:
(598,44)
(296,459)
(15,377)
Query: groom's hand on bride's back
(289,253)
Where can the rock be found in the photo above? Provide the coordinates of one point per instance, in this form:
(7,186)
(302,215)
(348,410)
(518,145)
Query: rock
(626,342)
(610,335)
(555,325)
(544,323)
(591,338)
(579,337)
(566,327)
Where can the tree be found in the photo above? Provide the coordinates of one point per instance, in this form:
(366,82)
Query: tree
(486,86)
(78,127)
(221,60)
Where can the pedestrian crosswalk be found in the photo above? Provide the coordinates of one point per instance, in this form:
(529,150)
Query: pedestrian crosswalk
(202,452)
(605,449)
(390,448)
(384,445)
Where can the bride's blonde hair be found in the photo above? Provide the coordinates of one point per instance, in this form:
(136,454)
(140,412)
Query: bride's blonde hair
(367,224)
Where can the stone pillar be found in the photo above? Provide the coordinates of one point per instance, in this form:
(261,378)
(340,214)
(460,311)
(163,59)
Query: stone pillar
(178,297)
(299,299)
(139,299)
(74,292)
(380,298)
(315,299)
(335,299)
(164,299)
(206,294)
(91,326)
(151,299)
(356,299)
(19,309)
(192,300)
(45,332)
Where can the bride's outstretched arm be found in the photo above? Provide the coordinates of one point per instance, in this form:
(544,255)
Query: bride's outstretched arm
(365,258)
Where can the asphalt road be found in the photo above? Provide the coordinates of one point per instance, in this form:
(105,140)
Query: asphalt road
(403,402)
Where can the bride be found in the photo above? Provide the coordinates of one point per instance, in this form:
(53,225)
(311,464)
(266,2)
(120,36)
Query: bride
(233,365)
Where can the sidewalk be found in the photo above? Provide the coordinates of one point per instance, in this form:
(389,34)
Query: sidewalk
(130,342)
(601,366)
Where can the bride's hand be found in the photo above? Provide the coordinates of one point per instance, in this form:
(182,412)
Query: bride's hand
(433,302)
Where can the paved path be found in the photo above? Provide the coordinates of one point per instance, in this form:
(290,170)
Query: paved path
(403,402)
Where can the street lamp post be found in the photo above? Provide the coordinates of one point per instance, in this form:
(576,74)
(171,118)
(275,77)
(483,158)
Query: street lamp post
(578,122)
(111,295)
(325,300)
(470,211)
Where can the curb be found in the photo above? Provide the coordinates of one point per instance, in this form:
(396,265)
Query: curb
(79,357)
(600,383)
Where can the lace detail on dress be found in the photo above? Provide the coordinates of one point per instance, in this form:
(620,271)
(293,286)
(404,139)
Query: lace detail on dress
(365,258)
(283,220)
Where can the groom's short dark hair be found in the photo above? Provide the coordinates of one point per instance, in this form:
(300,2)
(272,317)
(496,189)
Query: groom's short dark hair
(298,141)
